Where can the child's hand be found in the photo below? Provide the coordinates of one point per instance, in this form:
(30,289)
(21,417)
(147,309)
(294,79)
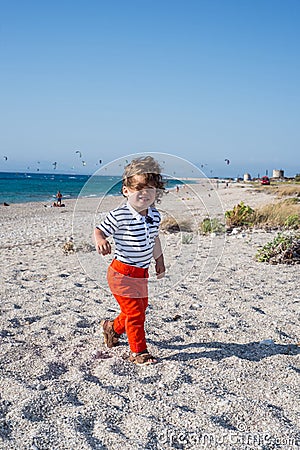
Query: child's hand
(160,268)
(103,246)
(101,243)
(159,259)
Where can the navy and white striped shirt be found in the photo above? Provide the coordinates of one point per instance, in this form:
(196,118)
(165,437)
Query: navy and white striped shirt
(134,236)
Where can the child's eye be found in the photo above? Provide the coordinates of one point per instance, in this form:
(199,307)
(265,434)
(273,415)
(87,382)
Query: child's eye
(140,188)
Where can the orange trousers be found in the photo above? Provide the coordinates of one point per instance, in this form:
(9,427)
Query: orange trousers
(129,285)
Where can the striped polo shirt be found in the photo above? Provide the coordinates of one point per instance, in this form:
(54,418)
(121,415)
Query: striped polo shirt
(134,235)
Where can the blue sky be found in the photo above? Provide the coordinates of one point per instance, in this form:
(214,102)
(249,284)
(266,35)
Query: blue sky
(203,80)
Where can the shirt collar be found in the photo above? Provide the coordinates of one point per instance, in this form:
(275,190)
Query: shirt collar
(137,215)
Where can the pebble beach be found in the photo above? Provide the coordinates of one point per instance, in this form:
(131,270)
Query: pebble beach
(224,327)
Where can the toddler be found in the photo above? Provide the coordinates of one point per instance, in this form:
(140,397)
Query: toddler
(134,227)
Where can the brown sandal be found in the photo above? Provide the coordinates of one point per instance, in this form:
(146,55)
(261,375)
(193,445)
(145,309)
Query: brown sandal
(142,359)
(111,338)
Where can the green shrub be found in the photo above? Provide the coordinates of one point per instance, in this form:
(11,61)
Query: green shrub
(187,238)
(208,226)
(241,215)
(292,222)
(283,249)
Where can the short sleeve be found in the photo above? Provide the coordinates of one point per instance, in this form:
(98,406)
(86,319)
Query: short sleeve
(157,220)
(109,225)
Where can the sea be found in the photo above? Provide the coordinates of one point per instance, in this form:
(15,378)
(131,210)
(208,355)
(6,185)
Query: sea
(42,187)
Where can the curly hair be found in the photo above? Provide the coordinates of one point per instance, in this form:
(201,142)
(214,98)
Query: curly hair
(150,169)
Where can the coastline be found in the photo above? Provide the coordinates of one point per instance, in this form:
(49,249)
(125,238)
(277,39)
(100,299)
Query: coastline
(228,359)
(41,188)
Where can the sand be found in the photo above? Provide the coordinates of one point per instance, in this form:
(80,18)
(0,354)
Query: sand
(224,327)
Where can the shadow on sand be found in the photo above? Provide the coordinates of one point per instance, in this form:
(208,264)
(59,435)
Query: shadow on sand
(252,351)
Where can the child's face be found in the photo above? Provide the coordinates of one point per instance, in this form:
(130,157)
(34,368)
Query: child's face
(140,195)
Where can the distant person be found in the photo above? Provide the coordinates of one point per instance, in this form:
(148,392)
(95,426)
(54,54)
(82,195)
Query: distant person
(134,227)
(59,197)
(177,188)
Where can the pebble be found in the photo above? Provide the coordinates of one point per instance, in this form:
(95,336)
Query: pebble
(267,342)
(195,306)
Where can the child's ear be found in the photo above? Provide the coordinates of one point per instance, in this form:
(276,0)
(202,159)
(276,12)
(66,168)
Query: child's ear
(125,191)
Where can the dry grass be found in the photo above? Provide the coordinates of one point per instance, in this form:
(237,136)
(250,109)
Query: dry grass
(283,214)
(171,225)
(68,247)
(288,191)
(280,191)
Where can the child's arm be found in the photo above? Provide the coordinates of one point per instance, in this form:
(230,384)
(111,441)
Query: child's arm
(159,259)
(102,245)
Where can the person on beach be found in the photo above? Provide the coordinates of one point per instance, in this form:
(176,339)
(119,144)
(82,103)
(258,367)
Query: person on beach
(134,227)
(59,197)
